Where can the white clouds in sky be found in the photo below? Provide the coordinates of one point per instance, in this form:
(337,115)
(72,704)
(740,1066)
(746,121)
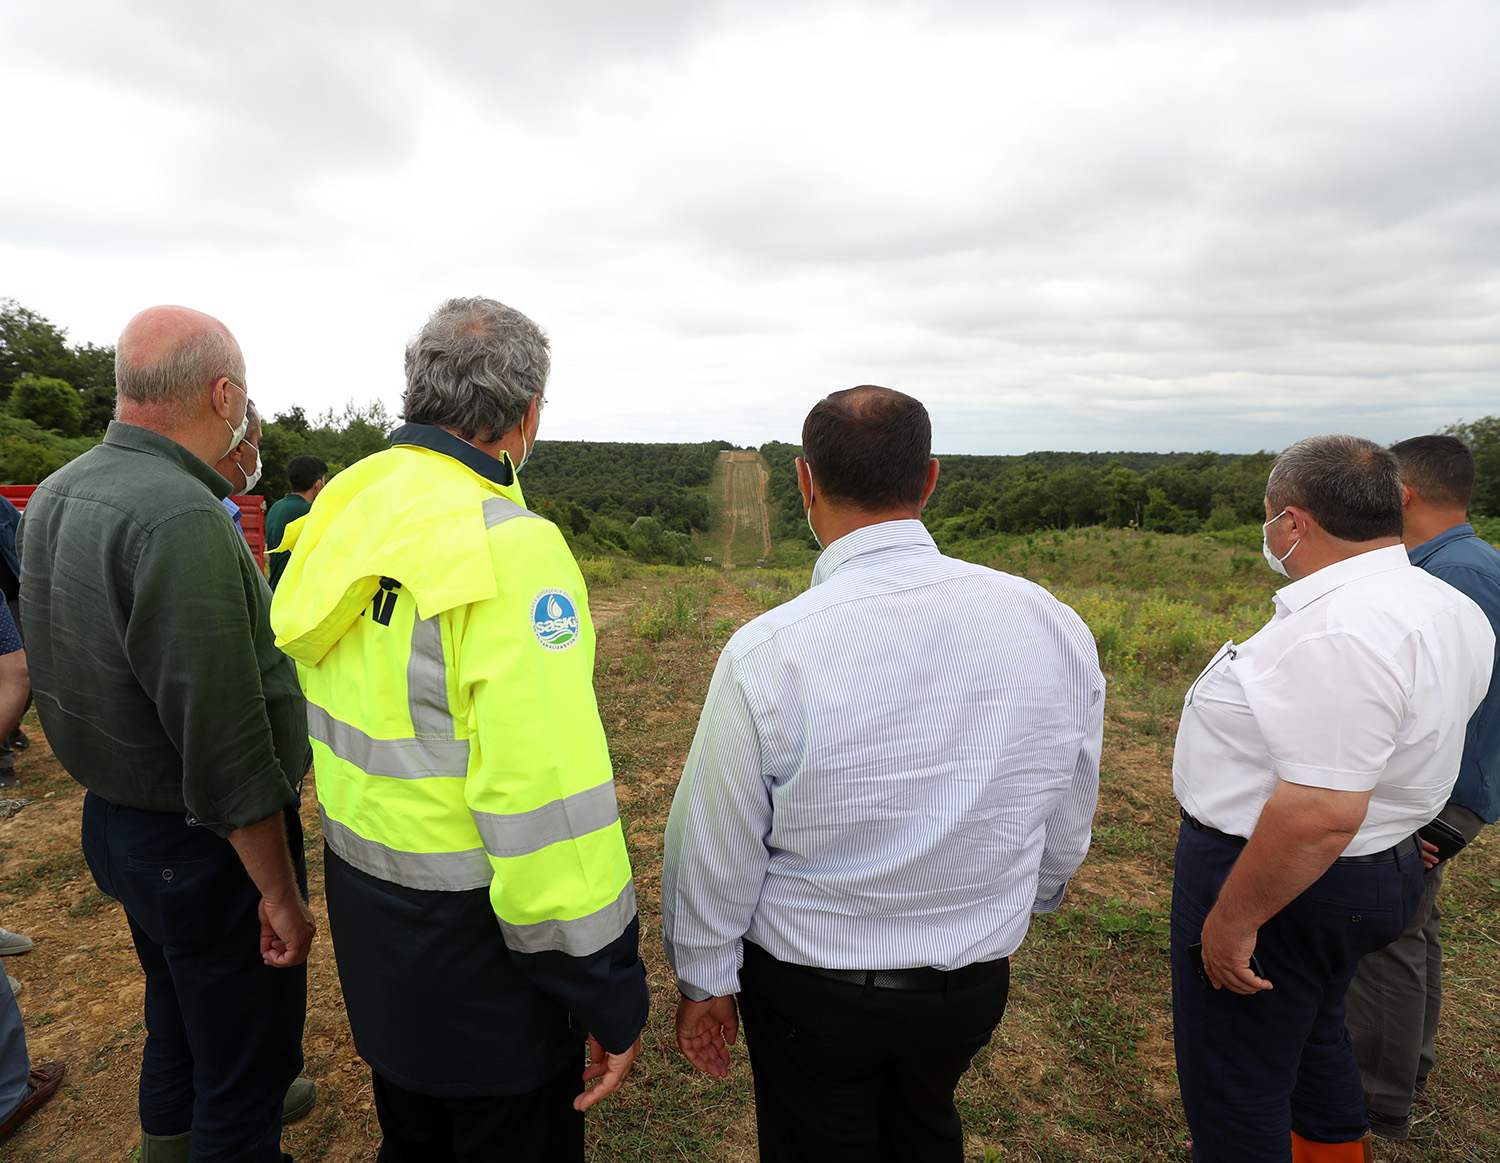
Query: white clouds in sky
(1065,225)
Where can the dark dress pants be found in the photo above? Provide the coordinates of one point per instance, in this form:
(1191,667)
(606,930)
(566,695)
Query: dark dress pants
(854,1074)
(223,1029)
(1253,1068)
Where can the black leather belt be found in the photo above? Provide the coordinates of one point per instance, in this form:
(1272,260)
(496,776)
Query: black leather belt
(924,979)
(1199,826)
(1387,856)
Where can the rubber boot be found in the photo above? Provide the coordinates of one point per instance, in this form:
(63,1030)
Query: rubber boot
(1361,1150)
(300,1097)
(166,1148)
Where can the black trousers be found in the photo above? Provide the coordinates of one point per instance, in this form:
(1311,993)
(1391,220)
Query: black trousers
(538,1127)
(856,1073)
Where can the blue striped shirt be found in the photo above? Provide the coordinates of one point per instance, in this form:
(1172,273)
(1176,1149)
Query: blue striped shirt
(894,769)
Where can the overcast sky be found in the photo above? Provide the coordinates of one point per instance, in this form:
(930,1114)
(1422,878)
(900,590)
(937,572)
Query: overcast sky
(1179,224)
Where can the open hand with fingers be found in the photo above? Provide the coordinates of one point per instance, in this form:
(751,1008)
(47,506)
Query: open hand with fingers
(705,1031)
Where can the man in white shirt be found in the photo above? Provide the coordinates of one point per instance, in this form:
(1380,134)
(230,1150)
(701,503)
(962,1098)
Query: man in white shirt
(1306,758)
(891,773)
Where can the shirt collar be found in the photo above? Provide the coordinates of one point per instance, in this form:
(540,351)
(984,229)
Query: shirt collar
(432,437)
(138,439)
(1309,589)
(908,533)
(1422,552)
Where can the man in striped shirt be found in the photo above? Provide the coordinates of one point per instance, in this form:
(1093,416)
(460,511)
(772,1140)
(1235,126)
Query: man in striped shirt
(892,772)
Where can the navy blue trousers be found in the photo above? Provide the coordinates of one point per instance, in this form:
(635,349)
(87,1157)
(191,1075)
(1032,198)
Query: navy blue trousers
(223,1029)
(1254,1068)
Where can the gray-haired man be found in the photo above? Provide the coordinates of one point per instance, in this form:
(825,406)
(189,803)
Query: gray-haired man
(479,891)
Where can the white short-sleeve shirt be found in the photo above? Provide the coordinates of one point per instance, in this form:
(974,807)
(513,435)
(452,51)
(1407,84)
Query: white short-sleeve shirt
(1364,680)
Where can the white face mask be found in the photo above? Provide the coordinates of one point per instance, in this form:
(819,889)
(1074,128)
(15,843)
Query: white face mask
(253,479)
(1276,563)
(238,434)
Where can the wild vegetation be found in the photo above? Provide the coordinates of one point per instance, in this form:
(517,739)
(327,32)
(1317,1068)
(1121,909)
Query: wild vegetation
(1081,1068)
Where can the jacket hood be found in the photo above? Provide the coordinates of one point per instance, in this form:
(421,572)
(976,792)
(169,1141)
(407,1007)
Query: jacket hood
(411,513)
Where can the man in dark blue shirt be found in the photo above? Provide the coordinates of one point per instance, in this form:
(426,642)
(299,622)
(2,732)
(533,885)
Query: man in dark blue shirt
(1396,993)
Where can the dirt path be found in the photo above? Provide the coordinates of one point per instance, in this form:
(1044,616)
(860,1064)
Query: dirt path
(742,480)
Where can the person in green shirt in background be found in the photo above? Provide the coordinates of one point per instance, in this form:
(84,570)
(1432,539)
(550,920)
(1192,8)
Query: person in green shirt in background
(307,474)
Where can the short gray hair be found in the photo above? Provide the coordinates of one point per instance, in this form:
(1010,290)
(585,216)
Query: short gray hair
(475,367)
(1350,486)
(177,377)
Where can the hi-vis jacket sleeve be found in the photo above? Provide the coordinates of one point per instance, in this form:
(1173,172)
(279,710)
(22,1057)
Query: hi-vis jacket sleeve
(540,786)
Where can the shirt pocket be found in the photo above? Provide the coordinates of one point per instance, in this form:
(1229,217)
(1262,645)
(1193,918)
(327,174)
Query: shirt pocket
(1211,676)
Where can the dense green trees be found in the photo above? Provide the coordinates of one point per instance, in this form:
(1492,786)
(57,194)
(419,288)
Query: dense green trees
(1483,439)
(1181,494)
(33,346)
(47,402)
(339,438)
(978,495)
(644,499)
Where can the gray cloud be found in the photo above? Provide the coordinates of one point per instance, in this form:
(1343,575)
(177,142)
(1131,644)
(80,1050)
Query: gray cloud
(1172,224)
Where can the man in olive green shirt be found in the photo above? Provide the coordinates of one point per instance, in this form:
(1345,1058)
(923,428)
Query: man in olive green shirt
(161,691)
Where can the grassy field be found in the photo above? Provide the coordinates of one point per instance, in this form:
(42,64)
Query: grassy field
(1082,1066)
(1080,1069)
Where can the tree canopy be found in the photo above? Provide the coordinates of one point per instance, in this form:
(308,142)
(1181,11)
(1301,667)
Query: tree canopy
(31,345)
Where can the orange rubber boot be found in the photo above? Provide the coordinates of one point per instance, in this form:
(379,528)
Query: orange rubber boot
(1360,1151)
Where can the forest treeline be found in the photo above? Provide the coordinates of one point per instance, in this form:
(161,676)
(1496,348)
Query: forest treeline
(646,500)
(1176,492)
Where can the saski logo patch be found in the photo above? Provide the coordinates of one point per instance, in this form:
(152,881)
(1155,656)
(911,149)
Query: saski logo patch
(554,620)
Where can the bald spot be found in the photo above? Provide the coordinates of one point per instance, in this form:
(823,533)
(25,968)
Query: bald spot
(158,331)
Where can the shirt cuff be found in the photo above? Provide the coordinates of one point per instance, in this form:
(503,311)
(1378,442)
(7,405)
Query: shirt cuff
(1047,904)
(714,973)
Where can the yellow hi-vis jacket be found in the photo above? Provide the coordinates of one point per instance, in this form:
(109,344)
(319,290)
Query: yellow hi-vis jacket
(444,643)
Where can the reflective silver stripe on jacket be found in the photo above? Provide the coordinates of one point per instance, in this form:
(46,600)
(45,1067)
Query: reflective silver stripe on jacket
(436,871)
(572,818)
(577,938)
(396,758)
(498,510)
(427,682)
(435,750)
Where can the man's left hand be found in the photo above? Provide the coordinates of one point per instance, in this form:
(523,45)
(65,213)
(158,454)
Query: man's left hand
(705,1031)
(609,1069)
(1226,957)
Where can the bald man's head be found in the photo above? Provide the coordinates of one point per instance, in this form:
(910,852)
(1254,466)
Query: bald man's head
(169,356)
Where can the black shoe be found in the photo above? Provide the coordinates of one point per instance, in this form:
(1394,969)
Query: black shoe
(1389,1126)
(18,740)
